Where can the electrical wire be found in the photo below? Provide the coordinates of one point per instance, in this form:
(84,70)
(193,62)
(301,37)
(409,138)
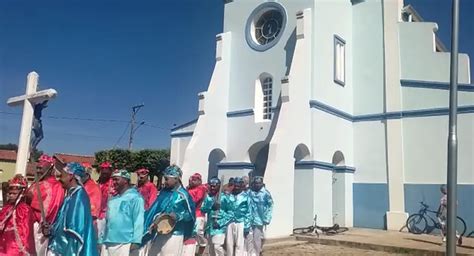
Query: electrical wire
(89,120)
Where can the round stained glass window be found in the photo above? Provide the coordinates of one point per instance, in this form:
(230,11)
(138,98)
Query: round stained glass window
(265,26)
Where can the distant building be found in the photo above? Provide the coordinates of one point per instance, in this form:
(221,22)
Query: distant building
(8,161)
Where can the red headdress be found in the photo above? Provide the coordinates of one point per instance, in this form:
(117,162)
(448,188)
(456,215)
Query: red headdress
(18,181)
(143,171)
(105,165)
(45,161)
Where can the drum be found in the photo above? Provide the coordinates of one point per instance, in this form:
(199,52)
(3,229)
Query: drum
(164,224)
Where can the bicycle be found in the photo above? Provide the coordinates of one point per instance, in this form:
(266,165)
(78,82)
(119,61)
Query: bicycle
(316,230)
(418,224)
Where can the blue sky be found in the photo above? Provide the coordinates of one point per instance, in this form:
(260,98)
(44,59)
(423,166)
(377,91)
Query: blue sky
(105,56)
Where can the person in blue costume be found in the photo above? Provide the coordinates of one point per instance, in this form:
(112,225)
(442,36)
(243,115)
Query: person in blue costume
(175,201)
(219,213)
(261,209)
(72,232)
(125,217)
(239,225)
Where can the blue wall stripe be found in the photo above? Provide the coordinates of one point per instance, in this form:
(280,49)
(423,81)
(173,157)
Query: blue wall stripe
(370,205)
(330,110)
(430,194)
(323,165)
(181,134)
(184,125)
(388,115)
(235,165)
(238,113)
(371,202)
(434,85)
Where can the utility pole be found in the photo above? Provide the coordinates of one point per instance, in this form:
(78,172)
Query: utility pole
(452,136)
(135,110)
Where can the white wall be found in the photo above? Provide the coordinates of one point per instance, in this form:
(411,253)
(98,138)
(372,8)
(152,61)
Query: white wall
(248,64)
(370,152)
(425,149)
(419,61)
(367,47)
(211,128)
(303,198)
(330,134)
(290,131)
(420,98)
(326,25)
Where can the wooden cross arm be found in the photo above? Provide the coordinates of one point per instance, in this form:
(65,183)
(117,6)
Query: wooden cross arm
(34,98)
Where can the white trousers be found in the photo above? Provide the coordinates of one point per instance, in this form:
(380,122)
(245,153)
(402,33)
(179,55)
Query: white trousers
(216,245)
(248,244)
(101,225)
(115,250)
(41,242)
(189,249)
(166,245)
(235,239)
(201,225)
(258,236)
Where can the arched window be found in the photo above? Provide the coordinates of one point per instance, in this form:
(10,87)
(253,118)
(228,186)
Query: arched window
(267,84)
(263,97)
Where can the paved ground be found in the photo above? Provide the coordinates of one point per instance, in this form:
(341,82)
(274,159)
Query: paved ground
(365,241)
(319,249)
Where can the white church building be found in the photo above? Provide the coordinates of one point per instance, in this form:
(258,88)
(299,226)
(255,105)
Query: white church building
(341,105)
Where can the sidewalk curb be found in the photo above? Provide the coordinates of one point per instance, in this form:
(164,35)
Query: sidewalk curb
(374,247)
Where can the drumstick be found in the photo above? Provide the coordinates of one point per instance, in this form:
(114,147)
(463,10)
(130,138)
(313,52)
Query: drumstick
(40,198)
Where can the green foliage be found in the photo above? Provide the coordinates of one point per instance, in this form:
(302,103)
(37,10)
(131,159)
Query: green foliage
(9,146)
(154,160)
(120,158)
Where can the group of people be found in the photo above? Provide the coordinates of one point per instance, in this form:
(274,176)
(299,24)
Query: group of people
(66,212)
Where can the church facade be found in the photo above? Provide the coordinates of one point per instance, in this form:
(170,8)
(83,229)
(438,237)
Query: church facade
(341,105)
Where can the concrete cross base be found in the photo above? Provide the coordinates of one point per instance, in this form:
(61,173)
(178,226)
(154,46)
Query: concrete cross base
(396,220)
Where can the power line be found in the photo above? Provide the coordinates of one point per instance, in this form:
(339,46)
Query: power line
(88,119)
(121,136)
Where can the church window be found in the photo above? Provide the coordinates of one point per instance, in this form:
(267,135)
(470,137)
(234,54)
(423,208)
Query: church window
(267,84)
(265,26)
(339,60)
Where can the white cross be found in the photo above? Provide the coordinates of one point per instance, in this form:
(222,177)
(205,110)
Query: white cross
(29,99)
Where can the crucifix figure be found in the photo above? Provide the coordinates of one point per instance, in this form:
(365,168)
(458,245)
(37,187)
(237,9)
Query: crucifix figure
(37,128)
(33,103)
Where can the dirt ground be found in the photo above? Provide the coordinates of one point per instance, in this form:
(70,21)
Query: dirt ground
(318,249)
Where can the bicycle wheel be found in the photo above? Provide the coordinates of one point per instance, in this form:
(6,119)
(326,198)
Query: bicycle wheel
(341,229)
(471,234)
(417,224)
(299,231)
(460,226)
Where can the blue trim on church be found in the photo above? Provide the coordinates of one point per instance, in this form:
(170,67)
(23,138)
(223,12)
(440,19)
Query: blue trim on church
(235,165)
(181,134)
(239,113)
(324,166)
(434,85)
(330,110)
(388,115)
(184,125)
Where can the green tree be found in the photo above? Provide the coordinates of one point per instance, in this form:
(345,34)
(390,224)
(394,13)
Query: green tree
(120,158)
(154,160)
(9,146)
